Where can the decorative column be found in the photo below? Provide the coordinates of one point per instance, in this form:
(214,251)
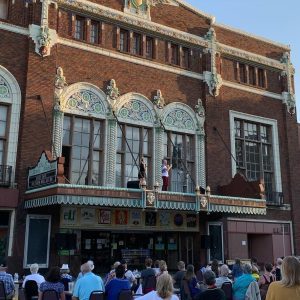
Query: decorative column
(58,115)
(158,153)
(111,157)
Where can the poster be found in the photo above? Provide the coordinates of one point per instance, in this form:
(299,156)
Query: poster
(88,215)
(191,220)
(121,217)
(164,218)
(69,215)
(136,217)
(104,216)
(150,218)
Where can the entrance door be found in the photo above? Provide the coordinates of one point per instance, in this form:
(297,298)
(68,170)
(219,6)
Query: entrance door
(95,246)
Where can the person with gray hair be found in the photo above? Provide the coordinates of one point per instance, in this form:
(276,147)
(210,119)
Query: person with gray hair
(34,268)
(242,283)
(212,292)
(88,283)
(223,277)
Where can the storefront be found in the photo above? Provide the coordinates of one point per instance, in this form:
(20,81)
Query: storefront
(106,235)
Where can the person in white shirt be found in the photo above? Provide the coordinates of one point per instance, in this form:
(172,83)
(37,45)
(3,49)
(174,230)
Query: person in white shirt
(34,268)
(223,277)
(128,274)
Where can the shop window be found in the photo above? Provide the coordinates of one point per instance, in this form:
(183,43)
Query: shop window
(37,240)
(80,28)
(253,150)
(149,47)
(124,34)
(261,79)
(136,44)
(129,155)
(82,147)
(178,150)
(185,57)
(4,233)
(94,32)
(3,9)
(3,132)
(174,54)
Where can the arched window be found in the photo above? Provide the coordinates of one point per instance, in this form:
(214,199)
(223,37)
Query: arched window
(179,146)
(135,115)
(10,106)
(83,137)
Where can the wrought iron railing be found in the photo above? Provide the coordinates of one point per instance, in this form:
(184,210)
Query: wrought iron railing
(5,175)
(275,198)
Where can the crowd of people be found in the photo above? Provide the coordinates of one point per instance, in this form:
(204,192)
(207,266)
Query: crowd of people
(210,282)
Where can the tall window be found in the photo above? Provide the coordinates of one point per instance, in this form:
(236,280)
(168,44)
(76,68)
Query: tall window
(253,147)
(185,57)
(243,74)
(3,9)
(149,47)
(178,150)
(82,148)
(79,28)
(261,78)
(123,40)
(94,32)
(128,158)
(174,54)
(137,44)
(3,132)
(252,75)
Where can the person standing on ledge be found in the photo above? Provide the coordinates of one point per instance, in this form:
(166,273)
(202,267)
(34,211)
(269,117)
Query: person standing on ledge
(165,168)
(142,171)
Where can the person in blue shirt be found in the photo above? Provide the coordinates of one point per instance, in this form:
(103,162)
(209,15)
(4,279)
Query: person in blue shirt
(88,283)
(117,284)
(237,269)
(242,283)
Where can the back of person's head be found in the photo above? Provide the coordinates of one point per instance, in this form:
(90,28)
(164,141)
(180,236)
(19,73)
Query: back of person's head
(181,265)
(279,261)
(164,286)
(91,263)
(253,260)
(116,263)
(163,265)
(190,273)
(224,270)
(156,264)
(148,262)
(238,261)
(290,271)
(86,268)
(268,267)
(209,277)
(53,275)
(34,268)
(247,269)
(215,263)
(120,271)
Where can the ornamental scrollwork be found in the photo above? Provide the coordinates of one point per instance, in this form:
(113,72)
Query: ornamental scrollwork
(85,101)
(136,110)
(4,89)
(179,119)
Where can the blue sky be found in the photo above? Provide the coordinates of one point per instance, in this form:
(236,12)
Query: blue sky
(272,19)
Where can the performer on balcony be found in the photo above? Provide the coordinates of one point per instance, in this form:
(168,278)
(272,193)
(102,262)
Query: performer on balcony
(165,168)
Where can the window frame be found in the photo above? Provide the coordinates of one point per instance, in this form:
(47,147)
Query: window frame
(5,137)
(90,150)
(97,34)
(275,143)
(149,41)
(175,60)
(82,35)
(124,41)
(136,44)
(123,152)
(185,161)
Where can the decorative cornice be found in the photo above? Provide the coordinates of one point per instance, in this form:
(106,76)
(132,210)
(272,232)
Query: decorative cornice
(252,90)
(128,58)
(115,15)
(243,54)
(247,34)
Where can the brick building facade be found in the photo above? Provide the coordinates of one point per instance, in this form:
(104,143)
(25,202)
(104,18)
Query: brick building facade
(96,85)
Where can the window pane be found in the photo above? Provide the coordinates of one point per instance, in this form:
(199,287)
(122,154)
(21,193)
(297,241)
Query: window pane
(3,113)
(1,152)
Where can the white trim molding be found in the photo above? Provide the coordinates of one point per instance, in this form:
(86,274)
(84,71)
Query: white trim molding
(275,142)
(14,28)
(13,99)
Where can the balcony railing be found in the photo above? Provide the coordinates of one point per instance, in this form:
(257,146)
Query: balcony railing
(5,175)
(275,198)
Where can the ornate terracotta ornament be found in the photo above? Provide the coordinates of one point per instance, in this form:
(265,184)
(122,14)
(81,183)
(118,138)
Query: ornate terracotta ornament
(159,100)
(60,79)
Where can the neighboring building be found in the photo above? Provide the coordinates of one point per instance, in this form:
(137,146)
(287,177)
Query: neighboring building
(103,83)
